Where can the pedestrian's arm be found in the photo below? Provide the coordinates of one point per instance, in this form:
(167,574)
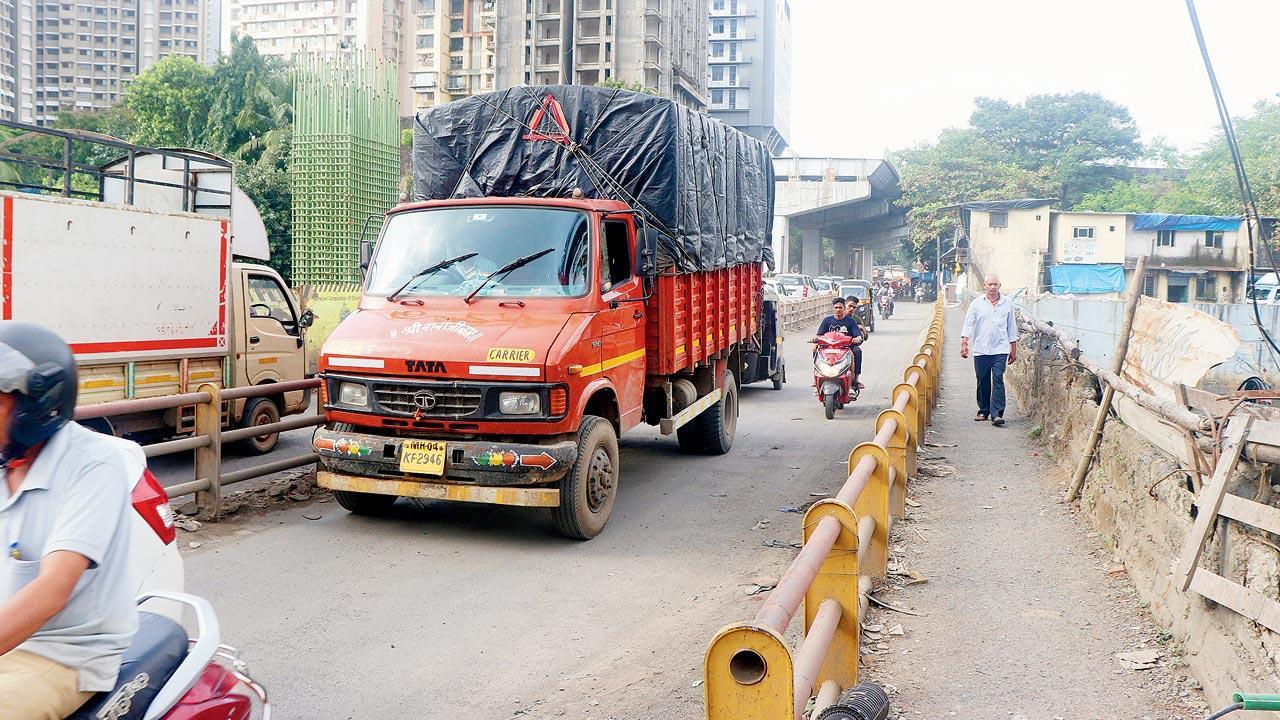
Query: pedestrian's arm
(32,606)
(1011,331)
(966,332)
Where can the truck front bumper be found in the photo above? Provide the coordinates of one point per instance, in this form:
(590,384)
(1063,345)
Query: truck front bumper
(478,463)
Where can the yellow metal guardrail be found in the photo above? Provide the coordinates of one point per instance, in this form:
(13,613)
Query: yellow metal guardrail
(750,673)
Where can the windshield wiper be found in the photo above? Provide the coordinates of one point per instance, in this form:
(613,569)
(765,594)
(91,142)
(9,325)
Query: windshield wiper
(428,270)
(517,263)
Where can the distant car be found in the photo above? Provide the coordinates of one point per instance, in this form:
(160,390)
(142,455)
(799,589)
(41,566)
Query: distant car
(823,286)
(796,285)
(865,311)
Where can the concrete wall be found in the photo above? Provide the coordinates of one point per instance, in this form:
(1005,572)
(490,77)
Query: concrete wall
(1094,323)
(1109,231)
(1188,249)
(1014,252)
(1223,650)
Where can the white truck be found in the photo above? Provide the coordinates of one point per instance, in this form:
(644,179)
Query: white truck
(141,279)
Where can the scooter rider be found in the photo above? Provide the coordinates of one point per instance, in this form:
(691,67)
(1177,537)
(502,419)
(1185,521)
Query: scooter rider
(67,612)
(844,323)
(886,294)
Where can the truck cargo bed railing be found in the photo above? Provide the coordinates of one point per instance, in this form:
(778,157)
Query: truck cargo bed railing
(209,437)
(63,168)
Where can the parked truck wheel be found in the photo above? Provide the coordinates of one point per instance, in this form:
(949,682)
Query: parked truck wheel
(364,503)
(260,411)
(712,432)
(588,491)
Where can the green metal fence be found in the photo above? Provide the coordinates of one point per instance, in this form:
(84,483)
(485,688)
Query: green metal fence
(345,160)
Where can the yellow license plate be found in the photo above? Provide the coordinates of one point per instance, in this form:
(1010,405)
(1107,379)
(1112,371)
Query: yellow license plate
(423,456)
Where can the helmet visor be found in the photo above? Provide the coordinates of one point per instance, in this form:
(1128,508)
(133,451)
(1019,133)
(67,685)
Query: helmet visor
(14,370)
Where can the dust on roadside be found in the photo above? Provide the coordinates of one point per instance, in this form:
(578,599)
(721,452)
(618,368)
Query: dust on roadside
(244,510)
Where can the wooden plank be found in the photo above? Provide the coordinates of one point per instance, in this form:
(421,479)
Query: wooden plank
(1249,603)
(1263,517)
(1210,499)
(1265,432)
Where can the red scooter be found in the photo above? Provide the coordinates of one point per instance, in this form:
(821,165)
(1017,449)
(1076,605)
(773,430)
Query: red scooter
(165,675)
(833,371)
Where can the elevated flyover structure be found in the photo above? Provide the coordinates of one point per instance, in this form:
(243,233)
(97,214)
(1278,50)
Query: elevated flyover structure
(848,201)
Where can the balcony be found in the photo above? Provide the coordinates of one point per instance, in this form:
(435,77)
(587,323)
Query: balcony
(727,83)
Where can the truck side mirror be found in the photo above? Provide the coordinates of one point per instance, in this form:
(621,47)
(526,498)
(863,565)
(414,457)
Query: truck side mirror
(307,319)
(366,245)
(646,263)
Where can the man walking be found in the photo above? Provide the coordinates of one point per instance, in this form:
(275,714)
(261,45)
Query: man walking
(66,590)
(990,333)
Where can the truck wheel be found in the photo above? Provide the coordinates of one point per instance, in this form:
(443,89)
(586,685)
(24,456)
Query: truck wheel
(711,433)
(260,411)
(364,503)
(587,492)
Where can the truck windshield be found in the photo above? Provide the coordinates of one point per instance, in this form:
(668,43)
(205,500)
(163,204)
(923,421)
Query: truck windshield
(418,239)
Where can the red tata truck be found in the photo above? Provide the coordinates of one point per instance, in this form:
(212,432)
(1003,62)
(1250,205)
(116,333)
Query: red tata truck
(557,283)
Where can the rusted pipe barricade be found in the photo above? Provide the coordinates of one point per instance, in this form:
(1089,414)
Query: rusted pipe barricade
(750,673)
(209,437)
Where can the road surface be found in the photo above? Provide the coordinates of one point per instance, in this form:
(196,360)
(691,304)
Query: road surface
(445,610)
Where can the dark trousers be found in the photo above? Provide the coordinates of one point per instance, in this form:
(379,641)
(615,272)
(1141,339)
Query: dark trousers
(990,370)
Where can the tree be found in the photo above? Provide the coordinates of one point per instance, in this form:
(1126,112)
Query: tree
(962,165)
(1082,142)
(250,106)
(268,186)
(169,103)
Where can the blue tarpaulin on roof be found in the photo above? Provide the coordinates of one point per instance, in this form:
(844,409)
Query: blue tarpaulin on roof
(1086,279)
(1161,221)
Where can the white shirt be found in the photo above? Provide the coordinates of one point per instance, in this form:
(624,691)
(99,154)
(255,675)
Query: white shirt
(76,497)
(990,328)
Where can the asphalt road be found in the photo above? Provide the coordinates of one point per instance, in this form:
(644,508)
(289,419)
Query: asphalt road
(446,610)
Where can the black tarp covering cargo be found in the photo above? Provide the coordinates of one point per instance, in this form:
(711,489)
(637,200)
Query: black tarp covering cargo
(706,189)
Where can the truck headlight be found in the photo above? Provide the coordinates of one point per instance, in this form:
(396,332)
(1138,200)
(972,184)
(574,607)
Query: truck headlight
(519,403)
(355,394)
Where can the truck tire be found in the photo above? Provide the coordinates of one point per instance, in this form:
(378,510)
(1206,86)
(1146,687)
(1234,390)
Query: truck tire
(259,411)
(358,502)
(711,433)
(364,503)
(588,491)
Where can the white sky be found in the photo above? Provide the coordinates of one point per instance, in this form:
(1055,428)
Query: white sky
(871,75)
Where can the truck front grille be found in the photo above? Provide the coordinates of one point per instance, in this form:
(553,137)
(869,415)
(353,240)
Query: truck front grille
(450,401)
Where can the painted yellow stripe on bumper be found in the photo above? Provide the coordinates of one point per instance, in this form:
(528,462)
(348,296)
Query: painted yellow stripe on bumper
(156,380)
(612,363)
(524,497)
(99,384)
(696,408)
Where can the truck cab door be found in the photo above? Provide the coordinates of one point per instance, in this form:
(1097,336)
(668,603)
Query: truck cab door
(623,336)
(273,348)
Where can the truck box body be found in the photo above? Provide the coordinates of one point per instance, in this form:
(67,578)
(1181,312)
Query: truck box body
(705,189)
(697,315)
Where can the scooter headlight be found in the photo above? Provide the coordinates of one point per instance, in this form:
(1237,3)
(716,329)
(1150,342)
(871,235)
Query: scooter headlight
(833,369)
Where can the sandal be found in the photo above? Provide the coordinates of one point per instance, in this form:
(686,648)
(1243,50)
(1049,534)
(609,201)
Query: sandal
(981,417)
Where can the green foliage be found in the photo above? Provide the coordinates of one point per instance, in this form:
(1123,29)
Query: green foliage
(406,138)
(1209,187)
(251,106)
(169,103)
(635,86)
(268,186)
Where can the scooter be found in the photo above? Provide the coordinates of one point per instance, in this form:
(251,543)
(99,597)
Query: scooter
(166,675)
(919,293)
(833,371)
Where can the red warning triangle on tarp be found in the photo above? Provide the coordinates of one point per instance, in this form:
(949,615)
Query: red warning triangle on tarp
(561,134)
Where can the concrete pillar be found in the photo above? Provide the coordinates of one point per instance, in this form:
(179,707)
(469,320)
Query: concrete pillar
(811,251)
(781,242)
(840,262)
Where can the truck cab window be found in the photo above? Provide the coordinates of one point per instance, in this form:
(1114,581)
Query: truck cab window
(268,299)
(616,267)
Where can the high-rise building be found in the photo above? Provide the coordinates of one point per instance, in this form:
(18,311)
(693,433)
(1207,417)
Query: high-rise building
(750,58)
(660,44)
(85,53)
(452,51)
(17,60)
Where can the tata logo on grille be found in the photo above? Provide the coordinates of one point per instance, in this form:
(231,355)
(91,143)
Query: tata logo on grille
(424,399)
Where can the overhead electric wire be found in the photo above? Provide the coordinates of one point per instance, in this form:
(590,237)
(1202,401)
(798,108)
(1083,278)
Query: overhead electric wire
(1251,215)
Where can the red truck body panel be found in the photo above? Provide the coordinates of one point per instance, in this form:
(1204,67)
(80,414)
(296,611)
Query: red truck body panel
(694,316)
